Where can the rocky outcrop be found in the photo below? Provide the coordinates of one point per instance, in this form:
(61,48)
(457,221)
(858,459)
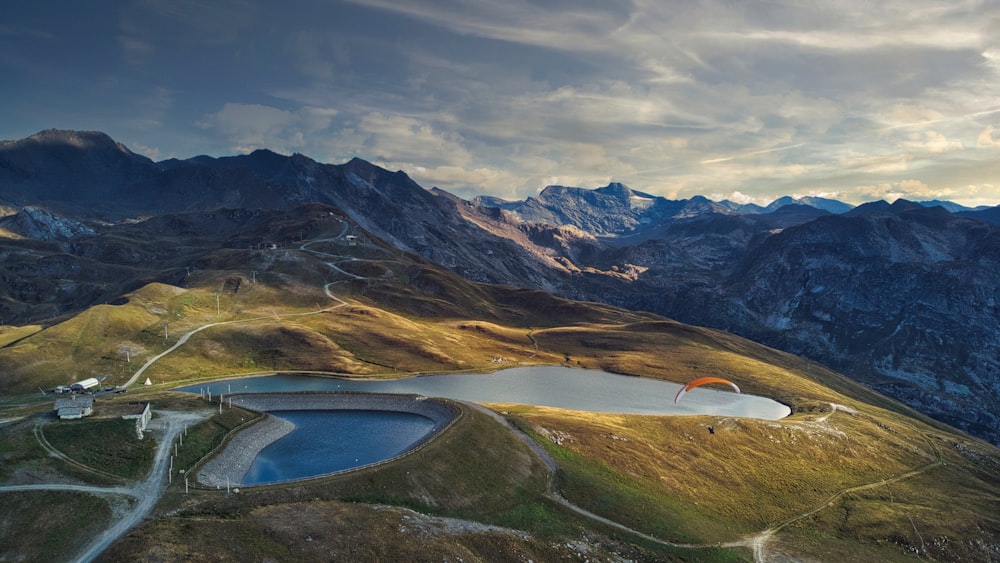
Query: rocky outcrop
(37,223)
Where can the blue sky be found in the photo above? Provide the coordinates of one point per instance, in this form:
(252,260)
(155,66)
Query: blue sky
(741,100)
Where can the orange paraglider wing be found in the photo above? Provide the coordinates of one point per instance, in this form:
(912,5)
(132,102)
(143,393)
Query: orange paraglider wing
(702,381)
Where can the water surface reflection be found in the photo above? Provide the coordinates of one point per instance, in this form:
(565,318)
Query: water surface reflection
(551,386)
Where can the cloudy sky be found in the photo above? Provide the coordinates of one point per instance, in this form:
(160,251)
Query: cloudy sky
(855,100)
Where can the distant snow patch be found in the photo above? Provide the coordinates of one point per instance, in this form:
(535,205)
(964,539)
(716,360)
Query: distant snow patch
(639,202)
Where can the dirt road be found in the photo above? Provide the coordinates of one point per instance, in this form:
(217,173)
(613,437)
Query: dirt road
(148,491)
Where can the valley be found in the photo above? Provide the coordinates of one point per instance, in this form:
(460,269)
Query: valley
(610,486)
(385,280)
(897,296)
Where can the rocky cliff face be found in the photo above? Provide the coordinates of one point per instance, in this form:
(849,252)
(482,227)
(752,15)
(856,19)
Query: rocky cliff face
(904,299)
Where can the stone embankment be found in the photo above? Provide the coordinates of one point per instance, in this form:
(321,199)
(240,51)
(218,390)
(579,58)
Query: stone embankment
(230,466)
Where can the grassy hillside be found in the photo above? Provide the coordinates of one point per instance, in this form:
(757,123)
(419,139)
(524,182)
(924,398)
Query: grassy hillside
(880,482)
(849,473)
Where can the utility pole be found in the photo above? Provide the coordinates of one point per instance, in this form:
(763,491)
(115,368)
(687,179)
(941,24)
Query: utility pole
(217,310)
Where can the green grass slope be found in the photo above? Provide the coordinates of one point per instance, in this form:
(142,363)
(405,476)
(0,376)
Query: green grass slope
(849,473)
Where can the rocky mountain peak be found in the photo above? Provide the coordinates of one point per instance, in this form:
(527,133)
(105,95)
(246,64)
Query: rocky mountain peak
(69,169)
(906,205)
(78,139)
(830,205)
(93,145)
(618,191)
(781,202)
(870,207)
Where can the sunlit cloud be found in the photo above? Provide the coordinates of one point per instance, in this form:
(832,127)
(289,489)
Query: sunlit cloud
(932,141)
(740,198)
(887,192)
(910,114)
(988,137)
(395,138)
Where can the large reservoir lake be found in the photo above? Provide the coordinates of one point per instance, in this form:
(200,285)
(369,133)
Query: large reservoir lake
(549,386)
(328,441)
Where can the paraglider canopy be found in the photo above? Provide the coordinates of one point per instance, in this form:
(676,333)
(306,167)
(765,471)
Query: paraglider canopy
(703,381)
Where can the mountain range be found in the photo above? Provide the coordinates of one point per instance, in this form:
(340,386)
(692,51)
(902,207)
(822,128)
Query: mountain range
(901,296)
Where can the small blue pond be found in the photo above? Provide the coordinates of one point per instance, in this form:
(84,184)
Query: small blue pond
(329,441)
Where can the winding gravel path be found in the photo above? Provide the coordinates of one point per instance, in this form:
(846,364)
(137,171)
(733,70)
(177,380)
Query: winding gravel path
(93,489)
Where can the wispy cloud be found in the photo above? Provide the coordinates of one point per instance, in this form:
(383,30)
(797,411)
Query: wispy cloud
(755,98)
(560,25)
(751,153)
